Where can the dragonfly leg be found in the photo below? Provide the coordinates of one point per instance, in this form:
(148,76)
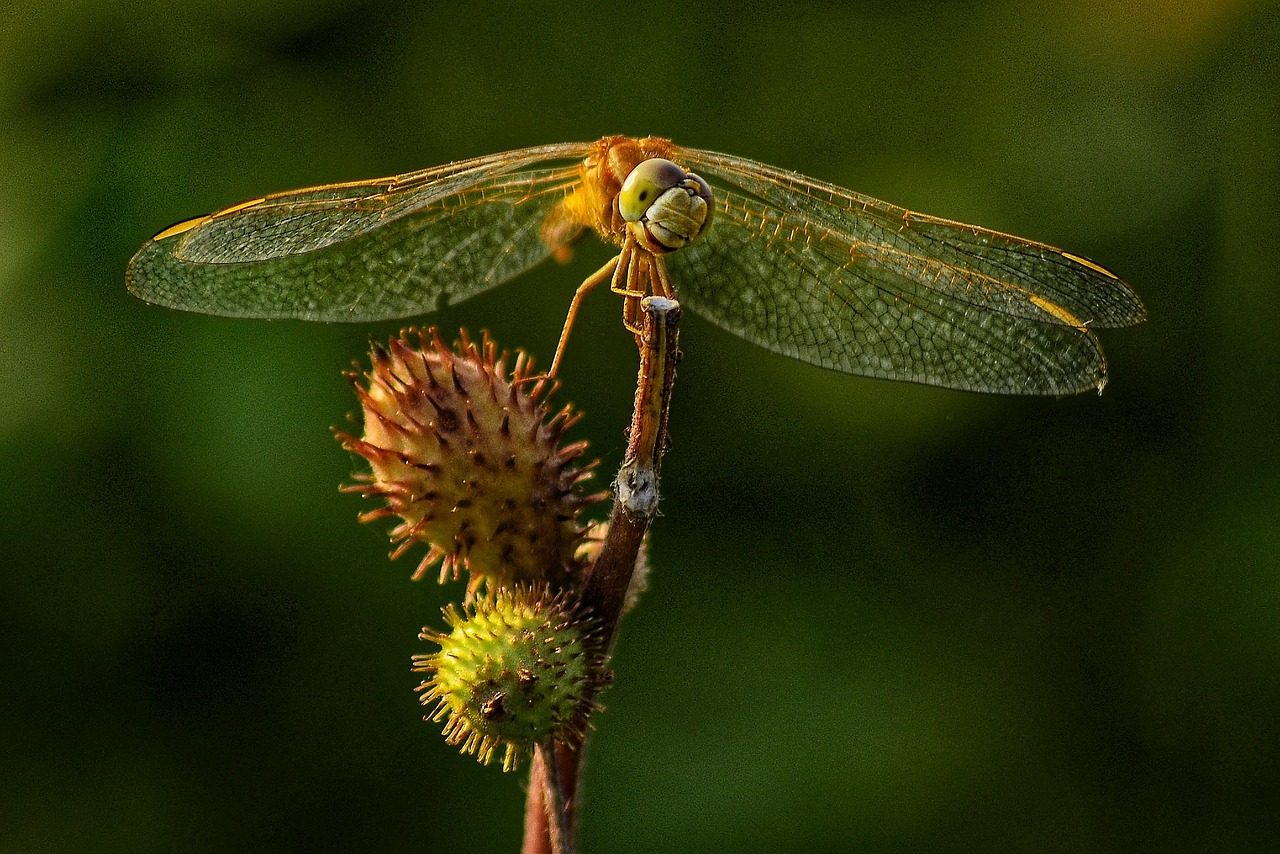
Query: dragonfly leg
(632,280)
(605,272)
(658,284)
(662,280)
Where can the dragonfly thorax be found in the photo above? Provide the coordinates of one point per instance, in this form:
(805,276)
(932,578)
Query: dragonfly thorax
(665,206)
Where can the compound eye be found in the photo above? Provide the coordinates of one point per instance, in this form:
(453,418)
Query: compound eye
(646,183)
(665,207)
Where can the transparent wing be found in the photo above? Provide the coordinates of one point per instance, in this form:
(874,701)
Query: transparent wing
(367,250)
(847,282)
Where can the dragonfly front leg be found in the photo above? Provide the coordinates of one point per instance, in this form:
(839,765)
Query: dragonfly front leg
(631,282)
(649,277)
(661,280)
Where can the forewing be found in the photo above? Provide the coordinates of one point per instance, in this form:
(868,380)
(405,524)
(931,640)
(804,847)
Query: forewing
(853,284)
(367,250)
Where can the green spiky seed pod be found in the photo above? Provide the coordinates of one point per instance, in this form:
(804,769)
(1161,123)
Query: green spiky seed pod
(518,666)
(469,459)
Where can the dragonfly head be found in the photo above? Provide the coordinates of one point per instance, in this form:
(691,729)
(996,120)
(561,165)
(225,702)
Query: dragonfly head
(665,207)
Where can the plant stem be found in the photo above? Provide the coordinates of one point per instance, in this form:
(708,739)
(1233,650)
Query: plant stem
(636,487)
(554,802)
(555,773)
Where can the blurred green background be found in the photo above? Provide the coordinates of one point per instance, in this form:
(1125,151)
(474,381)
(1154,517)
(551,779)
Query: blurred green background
(882,617)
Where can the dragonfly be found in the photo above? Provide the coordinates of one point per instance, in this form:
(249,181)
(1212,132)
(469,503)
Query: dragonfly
(798,266)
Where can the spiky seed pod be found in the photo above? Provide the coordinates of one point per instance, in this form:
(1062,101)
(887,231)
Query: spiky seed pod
(518,666)
(470,462)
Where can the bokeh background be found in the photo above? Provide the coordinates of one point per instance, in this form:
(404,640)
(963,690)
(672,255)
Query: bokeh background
(882,617)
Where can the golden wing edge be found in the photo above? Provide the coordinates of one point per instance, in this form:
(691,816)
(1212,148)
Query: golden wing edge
(1124,302)
(152,270)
